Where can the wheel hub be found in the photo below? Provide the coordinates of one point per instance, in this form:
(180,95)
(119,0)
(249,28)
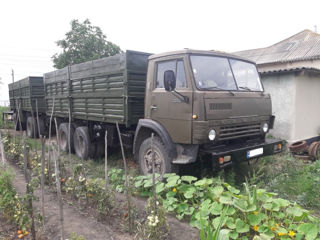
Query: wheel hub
(158,161)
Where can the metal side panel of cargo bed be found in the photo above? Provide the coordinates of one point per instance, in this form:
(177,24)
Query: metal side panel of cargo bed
(25,92)
(108,90)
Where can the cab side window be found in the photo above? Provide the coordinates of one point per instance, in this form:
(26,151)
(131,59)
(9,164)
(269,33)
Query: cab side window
(177,67)
(181,75)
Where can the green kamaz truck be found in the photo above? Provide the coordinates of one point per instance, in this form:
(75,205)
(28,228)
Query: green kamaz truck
(195,102)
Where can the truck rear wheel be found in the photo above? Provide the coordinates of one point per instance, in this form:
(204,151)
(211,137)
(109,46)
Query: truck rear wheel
(32,128)
(63,137)
(82,144)
(162,160)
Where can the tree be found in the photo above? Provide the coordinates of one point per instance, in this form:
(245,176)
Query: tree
(83,43)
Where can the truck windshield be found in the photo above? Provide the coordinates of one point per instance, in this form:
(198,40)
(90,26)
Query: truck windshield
(220,73)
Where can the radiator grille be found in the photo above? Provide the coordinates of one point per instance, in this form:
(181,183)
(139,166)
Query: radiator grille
(238,131)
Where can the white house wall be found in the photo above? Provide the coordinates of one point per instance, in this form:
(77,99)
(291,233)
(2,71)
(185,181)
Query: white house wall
(283,92)
(307,106)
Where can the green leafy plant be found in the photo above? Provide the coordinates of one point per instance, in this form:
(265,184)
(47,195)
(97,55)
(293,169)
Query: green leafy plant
(156,226)
(74,236)
(14,208)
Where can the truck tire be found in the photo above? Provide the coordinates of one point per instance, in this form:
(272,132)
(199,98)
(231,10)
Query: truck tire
(162,160)
(63,137)
(32,128)
(82,143)
(298,146)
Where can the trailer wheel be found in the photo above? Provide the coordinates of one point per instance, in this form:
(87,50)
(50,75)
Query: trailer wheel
(63,137)
(82,144)
(32,128)
(162,160)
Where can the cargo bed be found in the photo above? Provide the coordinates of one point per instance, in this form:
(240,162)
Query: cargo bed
(107,90)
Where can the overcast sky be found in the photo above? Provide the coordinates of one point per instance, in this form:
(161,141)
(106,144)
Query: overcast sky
(29,29)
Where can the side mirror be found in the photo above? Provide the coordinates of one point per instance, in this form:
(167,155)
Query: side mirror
(169,80)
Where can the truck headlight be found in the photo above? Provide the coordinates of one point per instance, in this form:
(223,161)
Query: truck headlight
(212,134)
(265,127)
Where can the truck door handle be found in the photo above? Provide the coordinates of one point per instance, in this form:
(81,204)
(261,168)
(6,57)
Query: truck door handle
(153,107)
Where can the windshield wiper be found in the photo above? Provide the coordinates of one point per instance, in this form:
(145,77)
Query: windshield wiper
(246,88)
(217,88)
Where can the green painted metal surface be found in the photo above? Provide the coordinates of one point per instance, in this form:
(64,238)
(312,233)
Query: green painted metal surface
(108,90)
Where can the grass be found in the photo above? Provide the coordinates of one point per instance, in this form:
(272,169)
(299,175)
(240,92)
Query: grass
(291,178)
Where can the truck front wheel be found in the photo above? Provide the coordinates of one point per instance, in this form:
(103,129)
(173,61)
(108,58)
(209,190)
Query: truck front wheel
(161,158)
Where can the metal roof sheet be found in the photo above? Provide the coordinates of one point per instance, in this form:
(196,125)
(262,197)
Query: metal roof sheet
(304,45)
(299,69)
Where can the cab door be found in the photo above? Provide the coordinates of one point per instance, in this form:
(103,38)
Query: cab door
(170,108)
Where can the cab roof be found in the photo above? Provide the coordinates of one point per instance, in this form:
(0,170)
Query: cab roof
(199,52)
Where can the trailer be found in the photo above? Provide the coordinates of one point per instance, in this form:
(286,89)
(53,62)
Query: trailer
(26,99)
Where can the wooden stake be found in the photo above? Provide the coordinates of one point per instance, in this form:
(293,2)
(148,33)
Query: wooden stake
(69,135)
(28,175)
(57,135)
(34,127)
(153,176)
(49,141)
(106,159)
(43,139)
(25,158)
(58,179)
(126,179)
(19,118)
(37,112)
(2,152)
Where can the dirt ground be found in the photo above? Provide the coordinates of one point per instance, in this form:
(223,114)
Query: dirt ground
(7,230)
(83,220)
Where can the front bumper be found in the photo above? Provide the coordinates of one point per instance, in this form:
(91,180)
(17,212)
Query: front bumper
(243,151)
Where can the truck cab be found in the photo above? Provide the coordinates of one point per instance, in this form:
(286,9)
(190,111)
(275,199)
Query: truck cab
(203,102)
